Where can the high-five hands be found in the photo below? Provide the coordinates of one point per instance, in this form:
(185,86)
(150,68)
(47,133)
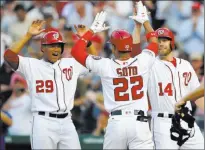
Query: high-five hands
(98,24)
(36,27)
(142,14)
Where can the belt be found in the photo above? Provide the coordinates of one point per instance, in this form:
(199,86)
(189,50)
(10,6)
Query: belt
(141,116)
(119,112)
(53,115)
(165,115)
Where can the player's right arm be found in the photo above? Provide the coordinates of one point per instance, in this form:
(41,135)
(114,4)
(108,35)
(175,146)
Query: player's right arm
(147,56)
(194,95)
(142,18)
(11,54)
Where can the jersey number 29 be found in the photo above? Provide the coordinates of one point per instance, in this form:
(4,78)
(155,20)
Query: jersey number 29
(44,86)
(124,88)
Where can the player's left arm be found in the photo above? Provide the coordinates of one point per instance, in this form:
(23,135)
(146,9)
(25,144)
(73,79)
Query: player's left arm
(81,30)
(79,49)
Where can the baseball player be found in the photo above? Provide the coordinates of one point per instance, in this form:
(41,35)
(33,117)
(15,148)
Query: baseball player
(170,79)
(124,82)
(52,84)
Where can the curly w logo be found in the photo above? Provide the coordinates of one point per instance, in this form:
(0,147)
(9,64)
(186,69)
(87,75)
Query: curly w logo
(68,73)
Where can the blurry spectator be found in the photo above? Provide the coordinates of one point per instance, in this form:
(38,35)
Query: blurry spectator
(61,24)
(78,12)
(5,122)
(102,116)
(5,74)
(97,44)
(35,11)
(98,6)
(78,104)
(5,43)
(8,17)
(88,115)
(196,62)
(69,40)
(48,21)
(191,31)
(116,19)
(50,8)
(171,13)
(19,107)
(18,28)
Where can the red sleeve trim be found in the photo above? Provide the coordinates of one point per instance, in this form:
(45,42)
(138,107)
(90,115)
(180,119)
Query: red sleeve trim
(11,57)
(79,49)
(153,47)
(150,35)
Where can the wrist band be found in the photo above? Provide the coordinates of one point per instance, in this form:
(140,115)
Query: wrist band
(150,35)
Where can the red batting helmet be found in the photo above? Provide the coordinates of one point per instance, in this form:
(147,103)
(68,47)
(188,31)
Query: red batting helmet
(166,33)
(52,37)
(122,40)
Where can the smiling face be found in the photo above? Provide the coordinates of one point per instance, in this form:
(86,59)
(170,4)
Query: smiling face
(52,52)
(164,46)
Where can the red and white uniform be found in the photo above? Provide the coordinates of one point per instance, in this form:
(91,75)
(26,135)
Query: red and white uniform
(52,88)
(168,83)
(124,88)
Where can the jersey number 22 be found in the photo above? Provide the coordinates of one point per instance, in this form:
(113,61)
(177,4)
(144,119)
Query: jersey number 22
(124,88)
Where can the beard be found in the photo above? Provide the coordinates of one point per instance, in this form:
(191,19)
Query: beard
(164,52)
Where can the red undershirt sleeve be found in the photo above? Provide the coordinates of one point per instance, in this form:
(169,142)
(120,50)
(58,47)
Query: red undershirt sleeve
(79,49)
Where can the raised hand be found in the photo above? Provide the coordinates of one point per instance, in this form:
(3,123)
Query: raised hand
(142,14)
(98,24)
(36,27)
(80,29)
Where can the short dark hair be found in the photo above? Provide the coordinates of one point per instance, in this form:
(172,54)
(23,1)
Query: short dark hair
(19,7)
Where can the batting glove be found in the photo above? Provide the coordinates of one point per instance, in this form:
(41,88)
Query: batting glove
(98,24)
(142,14)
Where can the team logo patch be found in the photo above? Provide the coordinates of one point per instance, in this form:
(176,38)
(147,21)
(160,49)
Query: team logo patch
(56,36)
(68,73)
(96,57)
(127,47)
(160,32)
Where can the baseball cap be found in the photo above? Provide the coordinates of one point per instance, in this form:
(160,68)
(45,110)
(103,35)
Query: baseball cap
(196,6)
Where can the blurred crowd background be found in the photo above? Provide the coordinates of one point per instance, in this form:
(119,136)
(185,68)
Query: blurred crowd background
(184,18)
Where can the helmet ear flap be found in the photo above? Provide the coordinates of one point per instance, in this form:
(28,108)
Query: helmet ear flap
(62,48)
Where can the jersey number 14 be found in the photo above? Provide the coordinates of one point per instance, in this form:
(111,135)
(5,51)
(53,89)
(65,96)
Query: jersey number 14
(125,84)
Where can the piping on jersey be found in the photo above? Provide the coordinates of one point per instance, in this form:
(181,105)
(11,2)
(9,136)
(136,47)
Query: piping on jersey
(128,65)
(63,87)
(132,62)
(180,84)
(115,62)
(56,89)
(173,84)
(32,133)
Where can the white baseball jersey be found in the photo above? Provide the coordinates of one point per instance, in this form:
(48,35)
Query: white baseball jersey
(51,86)
(168,84)
(124,82)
